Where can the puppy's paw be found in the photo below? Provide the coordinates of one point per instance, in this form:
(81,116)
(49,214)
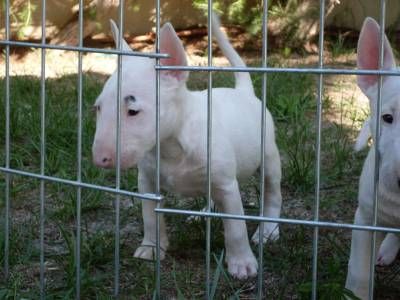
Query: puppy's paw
(242,267)
(383,260)
(388,250)
(271,232)
(148,252)
(386,256)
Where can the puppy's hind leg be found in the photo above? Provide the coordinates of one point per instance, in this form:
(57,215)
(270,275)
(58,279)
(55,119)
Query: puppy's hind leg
(272,194)
(239,257)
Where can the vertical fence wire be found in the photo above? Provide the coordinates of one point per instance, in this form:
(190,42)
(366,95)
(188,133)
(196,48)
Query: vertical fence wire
(209,148)
(318,150)
(157,187)
(118,150)
(264,58)
(376,148)
(7,146)
(79,158)
(42,150)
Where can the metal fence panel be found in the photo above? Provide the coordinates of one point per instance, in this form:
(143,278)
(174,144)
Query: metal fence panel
(316,224)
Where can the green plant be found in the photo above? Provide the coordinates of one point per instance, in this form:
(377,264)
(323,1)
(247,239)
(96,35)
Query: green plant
(22,15)
(330,274)
(292,103)
(340,47)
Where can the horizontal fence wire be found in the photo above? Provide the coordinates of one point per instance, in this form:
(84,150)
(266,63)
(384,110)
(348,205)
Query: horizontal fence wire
(82,49)
(287,221)
(316,70)
(102,188)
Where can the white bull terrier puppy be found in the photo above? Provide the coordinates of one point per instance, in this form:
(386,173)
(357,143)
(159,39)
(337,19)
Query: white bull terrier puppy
(236,143)
(389,150)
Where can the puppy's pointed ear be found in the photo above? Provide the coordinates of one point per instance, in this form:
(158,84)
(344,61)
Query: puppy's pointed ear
(368,53)
(172,45)
(115,33)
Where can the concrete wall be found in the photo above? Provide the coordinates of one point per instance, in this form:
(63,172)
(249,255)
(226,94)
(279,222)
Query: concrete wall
(139,15)
(351,13)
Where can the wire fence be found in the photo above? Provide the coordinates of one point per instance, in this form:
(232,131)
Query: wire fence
(264,69)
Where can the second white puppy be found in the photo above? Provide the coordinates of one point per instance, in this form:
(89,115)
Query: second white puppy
(389,150)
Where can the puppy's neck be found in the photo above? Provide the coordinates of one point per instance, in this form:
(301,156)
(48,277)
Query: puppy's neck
(171,119)
(171,149)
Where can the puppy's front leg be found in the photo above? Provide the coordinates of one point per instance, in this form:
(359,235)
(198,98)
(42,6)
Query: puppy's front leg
(147,249)
(358,274)
(239,257)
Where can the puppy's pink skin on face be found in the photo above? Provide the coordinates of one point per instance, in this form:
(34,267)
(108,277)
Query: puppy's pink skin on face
(389,151)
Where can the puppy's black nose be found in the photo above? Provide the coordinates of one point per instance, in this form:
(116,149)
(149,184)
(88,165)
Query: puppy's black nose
(398,182)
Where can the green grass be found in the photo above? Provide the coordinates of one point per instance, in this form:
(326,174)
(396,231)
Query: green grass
(287,269)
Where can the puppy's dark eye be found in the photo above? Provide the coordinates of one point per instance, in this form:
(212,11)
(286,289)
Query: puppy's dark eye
(132,112)
(387,118)
(130,98)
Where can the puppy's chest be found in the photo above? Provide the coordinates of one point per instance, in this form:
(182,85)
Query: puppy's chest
(183,175)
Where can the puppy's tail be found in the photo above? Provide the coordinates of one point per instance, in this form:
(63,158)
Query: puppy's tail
(363,136)
(243,80)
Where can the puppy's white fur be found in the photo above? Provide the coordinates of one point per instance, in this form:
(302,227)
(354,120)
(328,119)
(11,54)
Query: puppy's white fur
(236,131)
(389,150)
